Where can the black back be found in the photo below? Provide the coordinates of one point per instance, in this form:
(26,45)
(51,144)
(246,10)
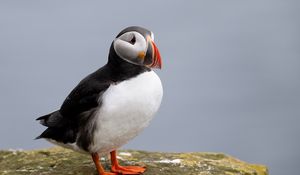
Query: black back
(74,121)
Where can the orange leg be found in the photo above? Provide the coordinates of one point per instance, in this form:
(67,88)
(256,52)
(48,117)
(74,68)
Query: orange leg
(115,167)
(98,165)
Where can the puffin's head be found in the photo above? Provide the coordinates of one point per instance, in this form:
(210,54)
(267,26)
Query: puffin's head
(136,45)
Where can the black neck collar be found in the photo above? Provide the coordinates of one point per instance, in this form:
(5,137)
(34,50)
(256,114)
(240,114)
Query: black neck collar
(122,69)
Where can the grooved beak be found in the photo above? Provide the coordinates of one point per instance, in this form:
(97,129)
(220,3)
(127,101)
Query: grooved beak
(152,58)
(156,57)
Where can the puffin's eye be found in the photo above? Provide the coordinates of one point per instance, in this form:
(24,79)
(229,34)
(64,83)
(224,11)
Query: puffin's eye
(133,40)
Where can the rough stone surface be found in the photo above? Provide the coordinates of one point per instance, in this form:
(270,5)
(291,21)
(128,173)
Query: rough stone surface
(62,161)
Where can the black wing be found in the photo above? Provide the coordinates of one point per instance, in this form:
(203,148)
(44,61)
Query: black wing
(63,124)
(86,96)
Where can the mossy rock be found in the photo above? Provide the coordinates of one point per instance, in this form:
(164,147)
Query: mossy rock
(62,161)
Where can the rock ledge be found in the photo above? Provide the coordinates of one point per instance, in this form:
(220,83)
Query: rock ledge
(62,161)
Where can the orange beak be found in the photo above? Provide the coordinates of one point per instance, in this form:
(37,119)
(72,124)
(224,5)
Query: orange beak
(152,58)
(157,63)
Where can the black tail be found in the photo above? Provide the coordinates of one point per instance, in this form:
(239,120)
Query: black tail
(54,119)
(44,118)
(38,137)
(59,128)
(43,121)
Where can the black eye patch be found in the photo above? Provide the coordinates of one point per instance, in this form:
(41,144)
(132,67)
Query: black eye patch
(133,40)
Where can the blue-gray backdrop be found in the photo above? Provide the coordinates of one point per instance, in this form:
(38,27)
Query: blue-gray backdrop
(231,71)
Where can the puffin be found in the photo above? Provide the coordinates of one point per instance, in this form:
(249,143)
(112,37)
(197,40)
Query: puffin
(112,105)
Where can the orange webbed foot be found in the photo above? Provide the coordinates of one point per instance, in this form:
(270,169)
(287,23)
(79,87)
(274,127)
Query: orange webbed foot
(116,168)
(128,169)
(99,167)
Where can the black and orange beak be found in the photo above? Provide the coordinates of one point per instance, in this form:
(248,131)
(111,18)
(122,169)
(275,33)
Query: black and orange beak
(152,58)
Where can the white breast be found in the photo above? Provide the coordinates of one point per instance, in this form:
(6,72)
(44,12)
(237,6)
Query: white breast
(126,110)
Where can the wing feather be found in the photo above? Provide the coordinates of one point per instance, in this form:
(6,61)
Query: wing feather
(79,105)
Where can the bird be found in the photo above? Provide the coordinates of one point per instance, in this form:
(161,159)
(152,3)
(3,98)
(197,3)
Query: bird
(112,105)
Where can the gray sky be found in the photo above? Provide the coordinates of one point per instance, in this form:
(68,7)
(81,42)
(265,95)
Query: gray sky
(231,71)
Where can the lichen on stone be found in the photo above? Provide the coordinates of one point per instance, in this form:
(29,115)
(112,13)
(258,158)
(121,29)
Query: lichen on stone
(62,161)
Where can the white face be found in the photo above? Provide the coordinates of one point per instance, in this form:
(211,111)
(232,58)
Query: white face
(130,46)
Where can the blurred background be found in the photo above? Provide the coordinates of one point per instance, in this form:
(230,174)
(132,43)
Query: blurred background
(231,71)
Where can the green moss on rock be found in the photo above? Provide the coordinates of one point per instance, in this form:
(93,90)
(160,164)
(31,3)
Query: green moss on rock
(62,161)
